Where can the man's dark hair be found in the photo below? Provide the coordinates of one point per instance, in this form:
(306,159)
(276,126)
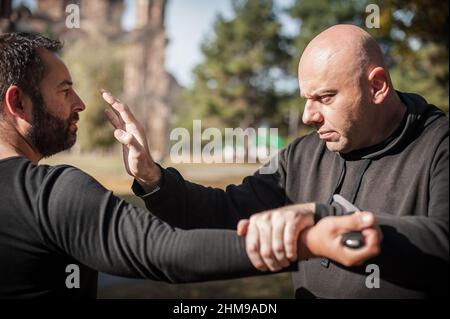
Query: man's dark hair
(20,63)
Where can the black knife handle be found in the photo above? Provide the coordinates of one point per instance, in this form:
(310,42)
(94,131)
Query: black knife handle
(353,240)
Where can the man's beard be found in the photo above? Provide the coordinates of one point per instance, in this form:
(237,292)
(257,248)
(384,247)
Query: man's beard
(48,133)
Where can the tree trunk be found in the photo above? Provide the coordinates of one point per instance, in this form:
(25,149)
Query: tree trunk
(146,79)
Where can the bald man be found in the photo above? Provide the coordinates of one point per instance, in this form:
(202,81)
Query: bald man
(385,151)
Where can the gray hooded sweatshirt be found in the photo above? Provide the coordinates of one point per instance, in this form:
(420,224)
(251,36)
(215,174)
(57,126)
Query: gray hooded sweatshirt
(403,181)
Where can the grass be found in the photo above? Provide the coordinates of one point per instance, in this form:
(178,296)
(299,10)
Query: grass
(269,287)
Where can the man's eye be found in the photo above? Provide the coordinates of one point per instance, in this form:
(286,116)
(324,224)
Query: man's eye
(326,98)
(66,93)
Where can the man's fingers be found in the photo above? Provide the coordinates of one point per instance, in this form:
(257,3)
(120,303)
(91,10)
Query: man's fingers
(110,99)
(272,237)
(372,238)
(278,226)
(355,222)
(242,227)
(356,257)
(265,242)
(123,110)
(112,117)
(291,234)
(252,247)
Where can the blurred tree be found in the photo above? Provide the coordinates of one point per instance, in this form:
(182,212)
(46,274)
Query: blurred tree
(236,83)
(421,49)
(95,63)
(5,12)
(315,16)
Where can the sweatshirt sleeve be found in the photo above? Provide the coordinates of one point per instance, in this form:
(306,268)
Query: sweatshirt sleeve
(188,205)
(415,249)
(81,219)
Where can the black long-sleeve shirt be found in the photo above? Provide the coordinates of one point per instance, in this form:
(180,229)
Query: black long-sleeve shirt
(52,217)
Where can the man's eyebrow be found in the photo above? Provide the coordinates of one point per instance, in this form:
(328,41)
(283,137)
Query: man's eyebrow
(65,82)
(321,92)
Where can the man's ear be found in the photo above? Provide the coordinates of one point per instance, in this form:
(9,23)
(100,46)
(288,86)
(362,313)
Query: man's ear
(16,102)
(379,85)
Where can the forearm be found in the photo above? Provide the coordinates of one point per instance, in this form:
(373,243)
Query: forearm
(146,247)
(107,234)
(188,205)
(201,255)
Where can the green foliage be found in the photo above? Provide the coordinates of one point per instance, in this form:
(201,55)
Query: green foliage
(235,85)
(95,64)
(419,75)
(413,36)
(242,62)
(317,15)
(421,50)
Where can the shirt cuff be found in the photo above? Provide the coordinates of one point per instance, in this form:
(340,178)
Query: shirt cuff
(324,210)
(139,191)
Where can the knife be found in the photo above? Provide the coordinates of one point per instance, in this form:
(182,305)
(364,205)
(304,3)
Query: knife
(353,239)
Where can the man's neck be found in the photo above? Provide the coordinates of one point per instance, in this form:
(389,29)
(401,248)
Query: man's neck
(389,121)
(18,146)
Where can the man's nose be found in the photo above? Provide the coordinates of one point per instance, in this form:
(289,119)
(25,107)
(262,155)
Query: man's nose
(311,115)
(79,104)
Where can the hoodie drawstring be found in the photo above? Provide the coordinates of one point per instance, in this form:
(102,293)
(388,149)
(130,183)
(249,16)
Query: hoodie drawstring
(361,173)
(339,181)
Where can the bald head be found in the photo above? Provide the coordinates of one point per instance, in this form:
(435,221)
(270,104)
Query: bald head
(342,49)
(348,91)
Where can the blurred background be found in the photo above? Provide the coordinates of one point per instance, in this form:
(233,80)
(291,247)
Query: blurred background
(230,63)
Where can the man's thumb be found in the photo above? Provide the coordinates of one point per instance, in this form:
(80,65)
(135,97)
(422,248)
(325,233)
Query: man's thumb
(355,222)
(366,219)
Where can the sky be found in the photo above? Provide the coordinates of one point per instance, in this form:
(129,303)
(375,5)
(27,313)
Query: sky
(188,22)
(187,25)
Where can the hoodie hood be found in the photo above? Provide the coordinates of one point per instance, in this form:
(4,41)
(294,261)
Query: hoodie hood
(419,114)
